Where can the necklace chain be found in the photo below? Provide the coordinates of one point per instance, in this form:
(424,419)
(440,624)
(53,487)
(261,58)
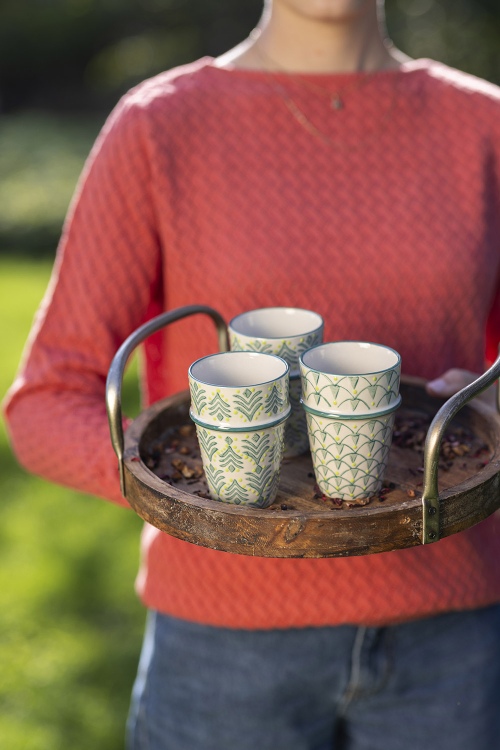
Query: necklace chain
(336,102)
(336,95)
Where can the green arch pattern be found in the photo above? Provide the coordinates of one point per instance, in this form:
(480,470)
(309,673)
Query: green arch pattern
(322,390)
(350,457)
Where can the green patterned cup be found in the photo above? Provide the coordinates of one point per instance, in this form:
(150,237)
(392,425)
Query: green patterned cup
(350,455)
(350,392)
(286,332)
(240,404)
(350,377)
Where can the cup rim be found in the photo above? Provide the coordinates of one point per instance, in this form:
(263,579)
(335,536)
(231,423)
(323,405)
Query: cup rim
(224,427)
(253,355)
(307,332)
(350,374)
(341,416)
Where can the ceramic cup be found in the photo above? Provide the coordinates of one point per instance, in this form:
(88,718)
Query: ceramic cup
(286,332)
(350,377)
(350,455)
(350,391)
(240,404)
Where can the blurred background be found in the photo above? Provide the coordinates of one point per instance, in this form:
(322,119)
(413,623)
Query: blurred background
(70,624)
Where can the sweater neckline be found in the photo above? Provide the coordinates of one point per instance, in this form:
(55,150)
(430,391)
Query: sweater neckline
(315,78)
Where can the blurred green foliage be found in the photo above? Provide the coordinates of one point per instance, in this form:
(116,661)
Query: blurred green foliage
(65,63)
(70,623)
(81,54)
(41,156)
(462,33)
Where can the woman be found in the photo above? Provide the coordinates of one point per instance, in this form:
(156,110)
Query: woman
(312,166)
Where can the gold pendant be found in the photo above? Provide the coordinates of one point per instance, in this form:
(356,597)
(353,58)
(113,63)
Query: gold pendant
(337,102)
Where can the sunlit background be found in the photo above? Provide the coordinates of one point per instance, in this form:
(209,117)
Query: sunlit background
(70,625)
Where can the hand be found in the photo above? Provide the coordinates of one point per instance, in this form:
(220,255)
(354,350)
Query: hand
(453,381)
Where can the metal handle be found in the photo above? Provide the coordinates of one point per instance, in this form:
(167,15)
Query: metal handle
(430,495)
(115,375)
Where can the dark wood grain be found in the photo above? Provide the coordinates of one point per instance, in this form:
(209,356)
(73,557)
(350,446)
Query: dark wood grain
(300,523)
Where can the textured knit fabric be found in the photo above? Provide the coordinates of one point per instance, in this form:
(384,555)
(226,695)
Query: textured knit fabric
(243,189)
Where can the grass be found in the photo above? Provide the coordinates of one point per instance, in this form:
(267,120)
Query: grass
(70,623)
(40,161)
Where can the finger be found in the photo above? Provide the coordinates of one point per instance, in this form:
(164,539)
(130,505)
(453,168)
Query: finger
(438,387)
(453,381)
(449,383)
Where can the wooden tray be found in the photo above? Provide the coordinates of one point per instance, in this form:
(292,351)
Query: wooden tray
(160,448)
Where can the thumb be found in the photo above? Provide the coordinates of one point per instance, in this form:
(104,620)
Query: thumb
(450,382)
(438,387)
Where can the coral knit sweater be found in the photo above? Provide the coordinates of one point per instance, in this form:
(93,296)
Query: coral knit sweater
(241,189)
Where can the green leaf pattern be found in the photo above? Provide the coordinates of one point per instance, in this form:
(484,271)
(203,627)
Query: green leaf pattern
(218,408)
(208,443)
(240,406)
(229,459)
(288,349)
(249,403)
(238,345)
(274,401)
(256,447)
(198,396)
(242,468)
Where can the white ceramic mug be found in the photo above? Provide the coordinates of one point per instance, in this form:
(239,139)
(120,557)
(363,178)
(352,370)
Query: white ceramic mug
(240,404)
(350,377)
(286,332)
(350,391)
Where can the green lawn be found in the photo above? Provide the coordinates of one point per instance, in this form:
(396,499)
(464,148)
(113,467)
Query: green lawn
(41,157)
(70,623)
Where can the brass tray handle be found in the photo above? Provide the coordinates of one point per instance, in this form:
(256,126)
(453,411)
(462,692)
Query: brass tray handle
(430,494)
(114,380)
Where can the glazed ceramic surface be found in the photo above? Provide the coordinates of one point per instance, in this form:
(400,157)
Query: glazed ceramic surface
(286,332)
(238,390)
(240,403)
(296,437)
(242,467)
(350,377)
(350,455)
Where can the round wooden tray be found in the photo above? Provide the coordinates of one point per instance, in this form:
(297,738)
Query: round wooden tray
(164,483)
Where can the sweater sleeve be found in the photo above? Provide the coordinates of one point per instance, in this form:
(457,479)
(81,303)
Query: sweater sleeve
(104,282)
(493,320)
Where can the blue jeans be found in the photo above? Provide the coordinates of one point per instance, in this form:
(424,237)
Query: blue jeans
(432,684)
